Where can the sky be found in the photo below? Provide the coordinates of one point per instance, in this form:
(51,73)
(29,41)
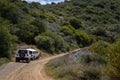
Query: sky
(43,2)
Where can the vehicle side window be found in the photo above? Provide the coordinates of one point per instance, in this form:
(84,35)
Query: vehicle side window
(30,52)
(34,52)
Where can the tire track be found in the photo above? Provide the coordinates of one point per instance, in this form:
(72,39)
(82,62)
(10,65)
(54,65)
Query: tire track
(32,71)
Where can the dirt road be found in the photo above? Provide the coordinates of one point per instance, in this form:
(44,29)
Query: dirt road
(26,71)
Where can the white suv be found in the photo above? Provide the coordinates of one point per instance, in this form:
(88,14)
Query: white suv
(26,54)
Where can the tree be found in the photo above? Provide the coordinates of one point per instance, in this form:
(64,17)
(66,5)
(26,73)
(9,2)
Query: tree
(27,32)
(83,39)
(67,30)
(6,42)
(59,42)
(100,31)
(100,47)
(10,11)
(113,61)
(45,42)
(40,25)
(76,23)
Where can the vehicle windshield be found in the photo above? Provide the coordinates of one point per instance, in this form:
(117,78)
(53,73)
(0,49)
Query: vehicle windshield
(22,51)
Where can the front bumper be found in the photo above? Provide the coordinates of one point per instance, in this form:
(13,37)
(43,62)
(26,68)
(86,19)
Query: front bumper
(21,58)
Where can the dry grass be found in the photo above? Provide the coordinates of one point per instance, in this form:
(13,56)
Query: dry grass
(65,68)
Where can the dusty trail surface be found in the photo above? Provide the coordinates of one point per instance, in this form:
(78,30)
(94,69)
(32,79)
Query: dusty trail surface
(26,71)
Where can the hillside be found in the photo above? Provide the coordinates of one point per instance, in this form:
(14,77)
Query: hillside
(98,18)
(57,27)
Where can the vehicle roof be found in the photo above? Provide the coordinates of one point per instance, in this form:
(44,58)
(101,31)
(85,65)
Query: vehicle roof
(28,49)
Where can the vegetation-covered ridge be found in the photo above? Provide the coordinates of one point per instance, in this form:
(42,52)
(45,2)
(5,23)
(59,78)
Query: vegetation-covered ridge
(99,62)
(57,27)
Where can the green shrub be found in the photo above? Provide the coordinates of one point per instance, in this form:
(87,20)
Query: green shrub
(91,58)
(100,51)
(45,42)
(100,31)
(91,74)
(76,23)
(83,39)
(110,54)
(6,42)
(3,61)
(115,28)
(100,48)
(59,42)
(40,25)
(10,11)
(27,32)
(67,30)
(64,68)
(113,61)
(55,42)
